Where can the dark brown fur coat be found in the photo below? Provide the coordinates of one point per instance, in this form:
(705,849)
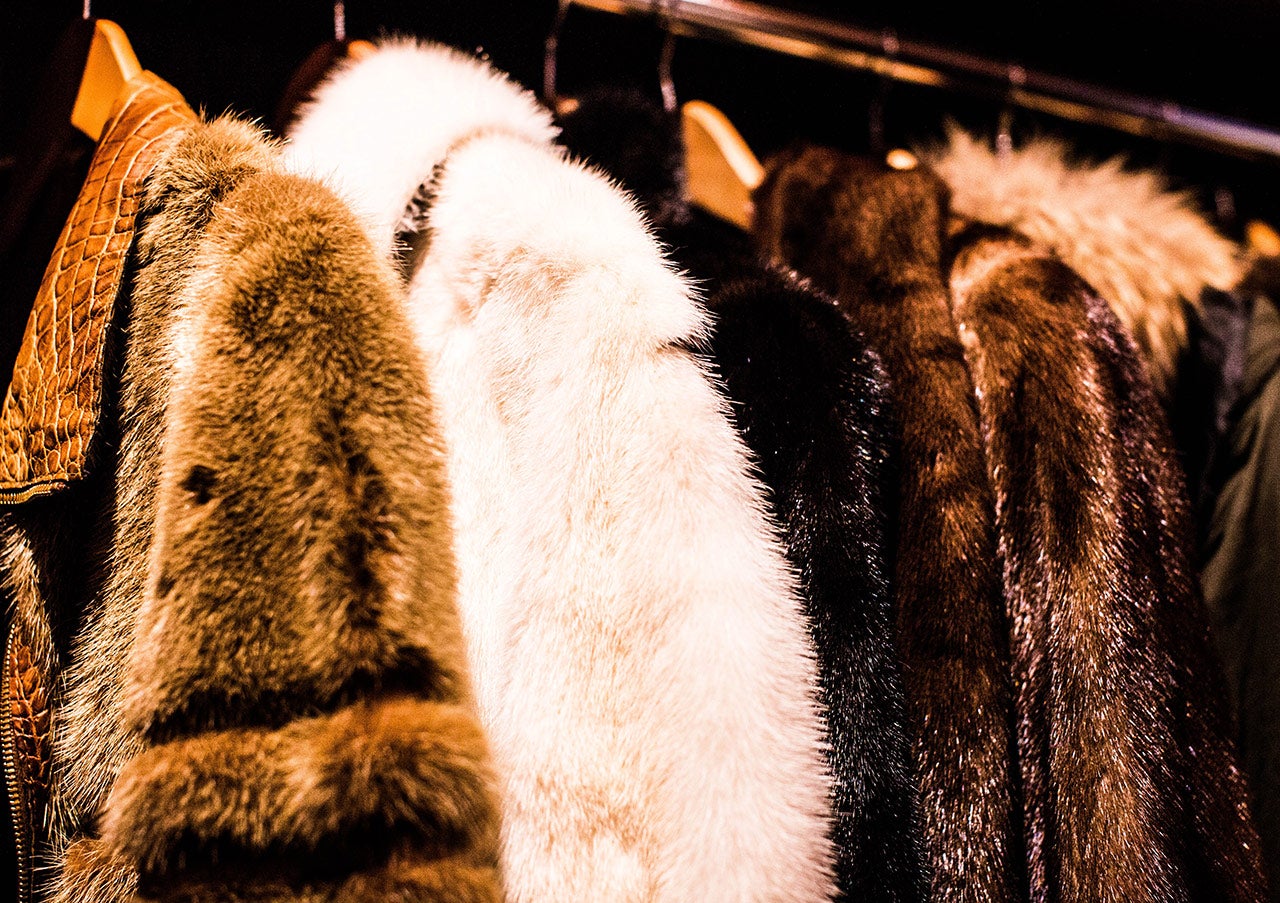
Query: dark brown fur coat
(262,690)
(873,238)
(1130,784)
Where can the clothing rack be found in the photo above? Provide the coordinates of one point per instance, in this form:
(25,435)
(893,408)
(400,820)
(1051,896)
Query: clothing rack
(883,53)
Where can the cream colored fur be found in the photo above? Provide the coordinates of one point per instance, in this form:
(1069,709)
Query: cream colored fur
(451,97)
(1142,246)
(638,649)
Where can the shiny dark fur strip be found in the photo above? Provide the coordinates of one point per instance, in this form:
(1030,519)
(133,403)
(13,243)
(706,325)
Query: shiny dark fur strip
(811,403)
(1131,788)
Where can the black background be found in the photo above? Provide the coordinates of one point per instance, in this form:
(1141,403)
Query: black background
(1217,55)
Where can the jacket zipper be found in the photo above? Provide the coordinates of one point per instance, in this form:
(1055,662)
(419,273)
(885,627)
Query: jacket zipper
(8,740)
(26,493)
(17,810)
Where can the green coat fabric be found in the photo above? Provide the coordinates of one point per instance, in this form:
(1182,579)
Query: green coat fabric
(1241,570)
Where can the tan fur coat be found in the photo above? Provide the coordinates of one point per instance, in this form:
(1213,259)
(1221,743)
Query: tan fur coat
(261,690)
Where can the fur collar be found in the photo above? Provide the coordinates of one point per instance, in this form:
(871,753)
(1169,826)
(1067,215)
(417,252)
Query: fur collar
(1142,246)
(639,650)
(378,126)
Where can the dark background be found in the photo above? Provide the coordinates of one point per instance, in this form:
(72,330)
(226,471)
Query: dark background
(1217,55)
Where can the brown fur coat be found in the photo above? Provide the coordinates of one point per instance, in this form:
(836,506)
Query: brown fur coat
(873,238)
(1130,784)
(261,689)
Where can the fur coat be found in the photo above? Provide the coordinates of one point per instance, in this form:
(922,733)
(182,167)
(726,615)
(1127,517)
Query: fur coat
(1168,274)
(1130,785)
(260,678)
(1143,247)
(873,237)
(811,401)
(640,650)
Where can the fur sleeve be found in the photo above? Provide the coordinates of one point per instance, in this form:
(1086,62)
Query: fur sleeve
(298,672)
(642,654)
(812,403)
(1131,788)
(872,237)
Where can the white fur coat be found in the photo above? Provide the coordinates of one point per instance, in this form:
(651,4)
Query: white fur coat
(638,648)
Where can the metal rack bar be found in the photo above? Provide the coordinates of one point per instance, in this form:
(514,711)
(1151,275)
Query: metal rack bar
(880,52)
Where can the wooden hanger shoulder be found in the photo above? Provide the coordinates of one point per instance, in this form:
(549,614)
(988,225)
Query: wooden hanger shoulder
(1262,238)
(358,50)
(722,170)
(110,64)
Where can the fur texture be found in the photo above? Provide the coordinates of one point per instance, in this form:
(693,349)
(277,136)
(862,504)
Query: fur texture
(1130,783)
(457,99)
(641,656)
(811,401)
(77,561)
(91,743)
(272,672)
(1144,248)
(872,237)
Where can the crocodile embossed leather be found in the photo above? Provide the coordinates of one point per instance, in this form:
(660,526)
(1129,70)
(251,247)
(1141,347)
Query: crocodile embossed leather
(28,697)
(54,400)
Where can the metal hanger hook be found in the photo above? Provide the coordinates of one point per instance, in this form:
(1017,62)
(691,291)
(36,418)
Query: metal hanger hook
(339,21)
(1017,77)
(88,10)
(666,82)
(551,54)
(890,46)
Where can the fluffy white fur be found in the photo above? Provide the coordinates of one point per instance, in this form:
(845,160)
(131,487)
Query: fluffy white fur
(411,105)
(639,652)
(1142,246)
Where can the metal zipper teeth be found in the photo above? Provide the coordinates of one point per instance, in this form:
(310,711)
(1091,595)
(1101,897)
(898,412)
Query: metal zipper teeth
(26,493)
(17,811)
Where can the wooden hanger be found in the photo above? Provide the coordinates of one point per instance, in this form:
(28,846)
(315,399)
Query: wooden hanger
(723,172)
(38,194)
(721,168)
(110,65)
(317,67)
(1262,238)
